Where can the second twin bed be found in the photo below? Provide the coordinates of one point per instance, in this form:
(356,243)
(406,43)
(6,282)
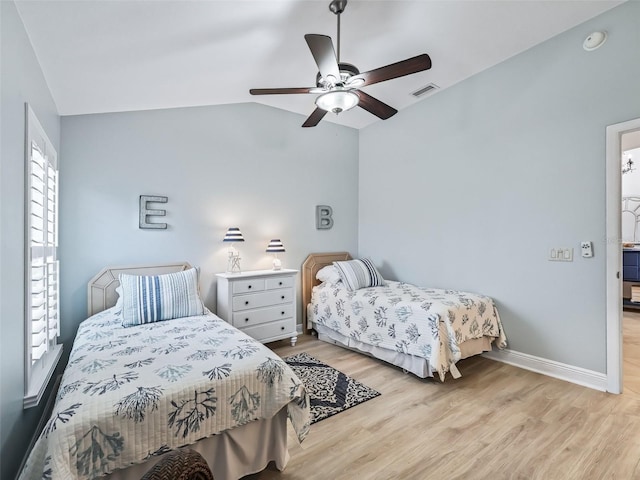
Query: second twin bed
(425,331)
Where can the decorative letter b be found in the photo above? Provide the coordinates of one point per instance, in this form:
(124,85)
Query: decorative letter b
(324,220)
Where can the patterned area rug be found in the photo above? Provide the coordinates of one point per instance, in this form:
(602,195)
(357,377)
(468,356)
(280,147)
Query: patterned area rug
(330,390)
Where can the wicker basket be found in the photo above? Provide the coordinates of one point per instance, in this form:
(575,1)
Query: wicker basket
(183,464)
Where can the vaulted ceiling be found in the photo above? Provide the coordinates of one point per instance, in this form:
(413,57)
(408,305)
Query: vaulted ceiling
(112,56)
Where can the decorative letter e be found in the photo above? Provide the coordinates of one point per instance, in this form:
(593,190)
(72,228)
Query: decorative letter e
(145,212)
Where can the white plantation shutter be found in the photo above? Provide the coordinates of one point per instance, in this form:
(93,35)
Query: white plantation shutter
(43,245)
(42,325)
(53,311)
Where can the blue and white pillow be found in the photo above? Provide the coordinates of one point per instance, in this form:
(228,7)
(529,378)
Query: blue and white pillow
(154,298)
(361,273)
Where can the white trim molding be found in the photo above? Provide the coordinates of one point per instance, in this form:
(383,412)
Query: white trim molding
(41,279)
(614,250)
(551,368)
(40,377)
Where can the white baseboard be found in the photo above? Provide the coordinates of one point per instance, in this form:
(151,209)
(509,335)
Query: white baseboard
(569,373)
(299,328)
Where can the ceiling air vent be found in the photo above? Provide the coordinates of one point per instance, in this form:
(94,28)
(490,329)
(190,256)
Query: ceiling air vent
(424,90)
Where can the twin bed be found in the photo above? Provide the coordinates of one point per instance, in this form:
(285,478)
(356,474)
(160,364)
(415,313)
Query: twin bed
(132,393)
(423,330)
(136,388)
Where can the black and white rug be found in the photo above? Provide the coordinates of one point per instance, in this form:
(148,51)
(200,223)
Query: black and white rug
(330,390)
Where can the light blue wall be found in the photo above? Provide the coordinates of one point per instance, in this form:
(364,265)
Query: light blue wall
(21,81)
(486,177)
(243,165)
(490,174)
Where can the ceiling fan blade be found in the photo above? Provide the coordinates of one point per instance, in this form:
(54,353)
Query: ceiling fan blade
(313,120)
(394,70)
(375,106)
(323,53)
(281,91)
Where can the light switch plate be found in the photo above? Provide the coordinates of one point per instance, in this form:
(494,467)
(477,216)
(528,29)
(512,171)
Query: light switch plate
(561,254)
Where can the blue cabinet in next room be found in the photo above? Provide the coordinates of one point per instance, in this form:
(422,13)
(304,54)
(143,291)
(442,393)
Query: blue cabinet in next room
(631,265)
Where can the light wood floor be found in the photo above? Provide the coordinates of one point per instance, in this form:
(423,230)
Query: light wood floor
(496,422)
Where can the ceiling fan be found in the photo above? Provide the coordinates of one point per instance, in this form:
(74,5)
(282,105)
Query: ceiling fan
(338,84)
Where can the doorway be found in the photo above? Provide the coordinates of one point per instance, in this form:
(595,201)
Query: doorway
(614,251)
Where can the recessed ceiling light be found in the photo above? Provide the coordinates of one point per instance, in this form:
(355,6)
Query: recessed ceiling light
(595,40)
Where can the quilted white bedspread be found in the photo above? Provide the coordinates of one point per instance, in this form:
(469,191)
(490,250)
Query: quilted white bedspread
(425,322)
(131,393)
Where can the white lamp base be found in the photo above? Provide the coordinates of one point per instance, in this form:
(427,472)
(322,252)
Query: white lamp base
(277,264)
(233,265)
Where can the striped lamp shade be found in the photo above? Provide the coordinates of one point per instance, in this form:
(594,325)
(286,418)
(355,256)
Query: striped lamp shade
(275,246)
(233,235)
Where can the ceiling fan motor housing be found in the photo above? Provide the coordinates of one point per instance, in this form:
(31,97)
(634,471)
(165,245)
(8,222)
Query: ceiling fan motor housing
(347,71)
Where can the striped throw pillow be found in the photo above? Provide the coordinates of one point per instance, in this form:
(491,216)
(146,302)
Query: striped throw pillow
(154,298)
(356,274)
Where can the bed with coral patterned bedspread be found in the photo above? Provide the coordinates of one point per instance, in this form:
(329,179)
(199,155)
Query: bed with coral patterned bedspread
(424,330)
(129,394)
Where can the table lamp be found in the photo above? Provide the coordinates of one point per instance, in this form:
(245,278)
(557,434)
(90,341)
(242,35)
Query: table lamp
(233,235)
(275,246)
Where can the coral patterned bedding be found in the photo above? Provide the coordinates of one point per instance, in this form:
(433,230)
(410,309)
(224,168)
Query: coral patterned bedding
(424,322)
(131,393)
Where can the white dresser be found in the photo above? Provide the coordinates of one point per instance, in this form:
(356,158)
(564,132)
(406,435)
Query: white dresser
(261,303)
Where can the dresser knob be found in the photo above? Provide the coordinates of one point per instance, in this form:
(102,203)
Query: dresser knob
(282,297)
(246,319)
(247,302)
(281,328)
(249,287)
(282,313)
(279,283)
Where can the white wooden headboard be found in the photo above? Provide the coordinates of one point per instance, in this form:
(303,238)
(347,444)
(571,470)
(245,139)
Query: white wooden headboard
(101,291)
(311,265)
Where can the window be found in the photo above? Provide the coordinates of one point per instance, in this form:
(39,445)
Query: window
(42,311)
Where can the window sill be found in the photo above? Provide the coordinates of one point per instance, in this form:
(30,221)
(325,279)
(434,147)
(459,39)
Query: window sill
(40,375)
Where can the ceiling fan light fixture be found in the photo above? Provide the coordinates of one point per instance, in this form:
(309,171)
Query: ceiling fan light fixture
(337,101)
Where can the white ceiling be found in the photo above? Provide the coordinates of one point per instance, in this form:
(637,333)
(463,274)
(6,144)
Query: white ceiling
(112,56)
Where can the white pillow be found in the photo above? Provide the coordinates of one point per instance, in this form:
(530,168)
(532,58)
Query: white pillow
(149,299)
(328,274)
(119,300)
(357,274)
(117,308)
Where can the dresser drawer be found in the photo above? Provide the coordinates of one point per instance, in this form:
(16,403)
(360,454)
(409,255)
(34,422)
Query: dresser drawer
(247,286)
(279,282)
(261,303)
(249,318)
(281,328)
(262,299)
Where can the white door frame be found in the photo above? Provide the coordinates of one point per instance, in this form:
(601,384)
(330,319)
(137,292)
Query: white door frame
(614,252)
